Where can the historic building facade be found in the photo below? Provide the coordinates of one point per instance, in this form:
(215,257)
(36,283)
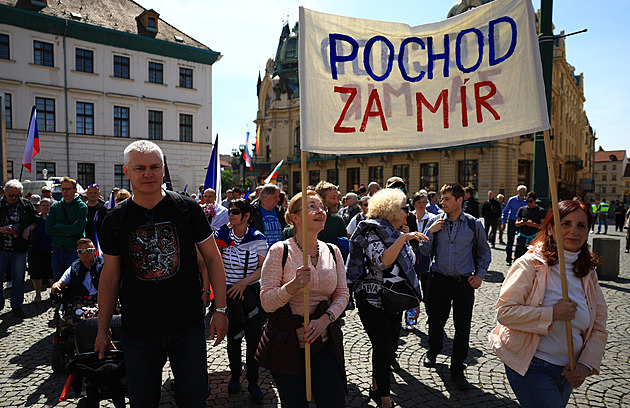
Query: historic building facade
(102,75)
(610,175)
(499,165)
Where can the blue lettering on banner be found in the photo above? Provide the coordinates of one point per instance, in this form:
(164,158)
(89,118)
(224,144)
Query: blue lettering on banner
(343,48)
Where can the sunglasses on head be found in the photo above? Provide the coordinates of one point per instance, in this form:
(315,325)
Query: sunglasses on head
(235,211)
(85,251)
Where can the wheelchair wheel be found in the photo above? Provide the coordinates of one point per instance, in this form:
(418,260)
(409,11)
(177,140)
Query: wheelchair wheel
(58,358)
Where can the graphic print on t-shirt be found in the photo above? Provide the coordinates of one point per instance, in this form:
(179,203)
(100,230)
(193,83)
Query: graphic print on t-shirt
(155,251)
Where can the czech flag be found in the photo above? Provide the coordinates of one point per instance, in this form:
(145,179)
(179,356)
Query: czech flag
(246,155)
(32,141)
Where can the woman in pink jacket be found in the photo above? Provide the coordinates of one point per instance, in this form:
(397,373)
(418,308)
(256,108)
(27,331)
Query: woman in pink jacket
(531,337)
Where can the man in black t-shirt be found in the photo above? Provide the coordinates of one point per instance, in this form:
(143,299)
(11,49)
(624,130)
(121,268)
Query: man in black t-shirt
(529,220)
(95,206)
(149,244)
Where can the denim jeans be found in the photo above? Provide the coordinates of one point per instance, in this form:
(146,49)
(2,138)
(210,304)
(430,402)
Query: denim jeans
(15,263)
(61,260)
(543,386)
(145,358)
(326,382)
(600,222)
(511,232)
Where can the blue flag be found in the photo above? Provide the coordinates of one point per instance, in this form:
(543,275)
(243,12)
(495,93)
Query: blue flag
(213,176)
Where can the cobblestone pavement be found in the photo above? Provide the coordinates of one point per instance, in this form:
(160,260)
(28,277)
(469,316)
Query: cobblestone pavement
(26,378)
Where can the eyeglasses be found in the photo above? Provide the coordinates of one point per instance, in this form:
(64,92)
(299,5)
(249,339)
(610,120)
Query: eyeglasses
(85,251)
(314,208)
(13,195)
(235,211)
(531,201)
(363,204)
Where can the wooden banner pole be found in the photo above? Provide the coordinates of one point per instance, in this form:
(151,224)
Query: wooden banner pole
(553,190)
(307,347)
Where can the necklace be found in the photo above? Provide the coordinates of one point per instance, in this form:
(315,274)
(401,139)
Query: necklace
(300,246)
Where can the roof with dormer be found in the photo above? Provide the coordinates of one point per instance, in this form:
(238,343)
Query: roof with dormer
(607,155)
(110,22)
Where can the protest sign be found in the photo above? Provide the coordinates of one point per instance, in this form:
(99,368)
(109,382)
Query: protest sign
(372,86)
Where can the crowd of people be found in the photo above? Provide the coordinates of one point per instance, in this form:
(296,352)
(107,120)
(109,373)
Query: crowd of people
(164,255)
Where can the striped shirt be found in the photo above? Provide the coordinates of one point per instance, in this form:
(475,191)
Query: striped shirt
(234,261)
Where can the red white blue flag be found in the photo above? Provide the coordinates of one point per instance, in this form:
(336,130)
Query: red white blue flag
(246,155)
(32,141)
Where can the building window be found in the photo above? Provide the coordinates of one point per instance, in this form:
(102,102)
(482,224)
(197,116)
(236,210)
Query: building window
(614,177)
(313,177)
(121,67)
(429,176)
(84,60)
(604,167)
(85,172)
(604,177)
(332,176)
(524,172)
(468,173)
(613,190)
(50,167)
(85,118)
(185,77)
(402,171)
(45,114)
(120,180)
(296,141)
(156,72)
(8,110)
(185,128)
(10,170)
(151,22)
(376,174)
(121,121)
(297,186)
(354,175)
(614,167)
(4,47)
(43,54)
(155,125)
(603,190)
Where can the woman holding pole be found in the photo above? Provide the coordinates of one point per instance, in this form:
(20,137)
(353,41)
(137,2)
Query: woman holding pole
(380,255)
(531,335)
(283,278)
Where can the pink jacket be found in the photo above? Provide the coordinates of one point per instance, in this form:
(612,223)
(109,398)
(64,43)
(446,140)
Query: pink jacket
(522,319)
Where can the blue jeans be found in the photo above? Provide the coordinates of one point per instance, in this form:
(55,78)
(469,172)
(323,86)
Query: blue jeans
(15,263)
(543,385)
(326,382)
(600,222)
(61,260)
(145,358)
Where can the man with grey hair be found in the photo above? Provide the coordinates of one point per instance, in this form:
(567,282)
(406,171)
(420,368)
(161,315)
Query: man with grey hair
(17,219)
(267,216)
(372,188)
(351,209)
(150,243)
(509,217)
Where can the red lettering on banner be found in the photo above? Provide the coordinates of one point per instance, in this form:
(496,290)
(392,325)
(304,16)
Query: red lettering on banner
(352,92)
(369,113)
(482,100)
(441,100)
(462,92)
(405,90)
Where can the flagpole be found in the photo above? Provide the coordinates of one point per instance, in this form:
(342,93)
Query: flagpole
(553,189)
(307,347)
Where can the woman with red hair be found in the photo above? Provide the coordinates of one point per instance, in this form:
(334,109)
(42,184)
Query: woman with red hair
(531,337)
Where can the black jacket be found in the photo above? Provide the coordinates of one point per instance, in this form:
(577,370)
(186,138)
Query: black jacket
(28,216)
(491,210)
(471,206)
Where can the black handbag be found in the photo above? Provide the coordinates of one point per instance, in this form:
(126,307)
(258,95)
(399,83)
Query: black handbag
(398,296)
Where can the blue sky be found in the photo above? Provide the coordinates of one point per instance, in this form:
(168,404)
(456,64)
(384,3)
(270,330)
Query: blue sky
(246,33)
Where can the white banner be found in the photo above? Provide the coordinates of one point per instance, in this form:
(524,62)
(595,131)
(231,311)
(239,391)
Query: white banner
(392,87)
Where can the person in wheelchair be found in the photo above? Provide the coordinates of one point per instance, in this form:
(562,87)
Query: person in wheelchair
(79,284)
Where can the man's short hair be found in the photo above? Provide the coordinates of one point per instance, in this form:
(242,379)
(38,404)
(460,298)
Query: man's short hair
(35,199)
(522,186)
(82,241)
(269,189)
(323,188)
(142,146)
(14,184)
(531,194)
(469,190)
(236,190)
(68,180)
(431,194)
(46,188)
(456,190)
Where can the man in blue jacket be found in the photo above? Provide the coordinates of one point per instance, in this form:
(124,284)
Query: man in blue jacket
(509,217)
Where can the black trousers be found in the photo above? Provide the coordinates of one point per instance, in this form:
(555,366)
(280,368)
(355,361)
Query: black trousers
(252,331)
(491,224)
(511,232)
(383,330)
(447,292)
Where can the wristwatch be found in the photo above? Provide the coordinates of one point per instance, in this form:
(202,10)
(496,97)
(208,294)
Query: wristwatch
(221,310)
(331,316)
